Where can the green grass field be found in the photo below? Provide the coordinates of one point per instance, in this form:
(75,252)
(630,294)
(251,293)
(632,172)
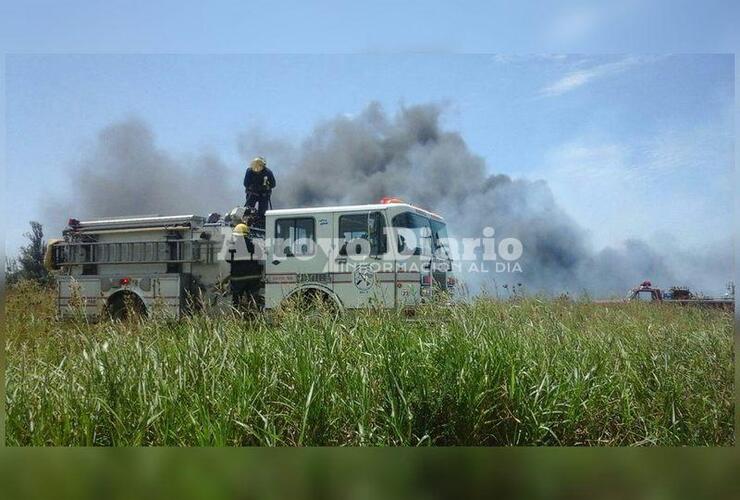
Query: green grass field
(526,372)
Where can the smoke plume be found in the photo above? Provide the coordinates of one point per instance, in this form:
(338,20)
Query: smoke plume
(360,159)
(127,174)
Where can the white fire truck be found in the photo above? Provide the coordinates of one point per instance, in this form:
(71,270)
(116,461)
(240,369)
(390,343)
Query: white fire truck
(390,254)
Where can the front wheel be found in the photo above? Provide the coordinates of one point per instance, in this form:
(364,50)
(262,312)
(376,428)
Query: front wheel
(312,305)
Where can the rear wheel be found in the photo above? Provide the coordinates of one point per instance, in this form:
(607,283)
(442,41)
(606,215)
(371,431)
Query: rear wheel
(123,306)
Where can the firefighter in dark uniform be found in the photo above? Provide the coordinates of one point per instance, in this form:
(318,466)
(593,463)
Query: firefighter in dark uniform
(258,184)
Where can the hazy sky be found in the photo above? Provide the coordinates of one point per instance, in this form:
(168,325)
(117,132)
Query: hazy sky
(632,146)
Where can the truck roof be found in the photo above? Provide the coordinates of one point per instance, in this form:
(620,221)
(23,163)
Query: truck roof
(189,221)
(351,208)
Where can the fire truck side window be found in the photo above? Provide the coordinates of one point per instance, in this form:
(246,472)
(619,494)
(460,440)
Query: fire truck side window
(414,233)
(295,237)
(368,226)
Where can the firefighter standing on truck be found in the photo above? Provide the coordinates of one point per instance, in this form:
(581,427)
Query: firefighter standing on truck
(258,184)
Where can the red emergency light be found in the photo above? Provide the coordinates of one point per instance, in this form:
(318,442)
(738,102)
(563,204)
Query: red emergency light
(390,199)
(124,281)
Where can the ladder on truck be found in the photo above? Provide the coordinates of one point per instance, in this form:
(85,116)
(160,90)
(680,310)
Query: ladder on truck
(83,248)
(134,252)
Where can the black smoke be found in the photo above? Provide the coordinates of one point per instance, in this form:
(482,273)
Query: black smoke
(125,173)
(360,159)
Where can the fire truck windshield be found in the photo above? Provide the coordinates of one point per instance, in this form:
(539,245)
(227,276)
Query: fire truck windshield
(420,235)
(439,239)
(439,234)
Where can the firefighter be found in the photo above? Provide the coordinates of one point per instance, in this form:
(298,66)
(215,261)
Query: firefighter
(258,184)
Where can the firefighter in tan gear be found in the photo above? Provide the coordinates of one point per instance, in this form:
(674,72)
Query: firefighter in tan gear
(258,184)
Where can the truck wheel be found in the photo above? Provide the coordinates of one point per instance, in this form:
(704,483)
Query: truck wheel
(314,304)
(126,305)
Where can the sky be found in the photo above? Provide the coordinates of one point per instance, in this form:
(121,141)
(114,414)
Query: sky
(292,26)
(632,146)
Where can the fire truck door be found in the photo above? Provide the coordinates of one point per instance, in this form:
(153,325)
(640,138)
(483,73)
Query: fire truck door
(362,268)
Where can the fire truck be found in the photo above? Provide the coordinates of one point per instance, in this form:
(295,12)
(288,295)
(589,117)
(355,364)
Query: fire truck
(680,296)
(390,254)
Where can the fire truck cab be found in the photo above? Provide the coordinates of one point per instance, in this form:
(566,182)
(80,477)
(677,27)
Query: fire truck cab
(386,255)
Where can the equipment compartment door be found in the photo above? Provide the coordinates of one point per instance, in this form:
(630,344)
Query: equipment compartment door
(168,295)
(74,293)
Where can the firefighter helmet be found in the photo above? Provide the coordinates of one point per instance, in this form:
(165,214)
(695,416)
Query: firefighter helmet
(258,164)
(241,229)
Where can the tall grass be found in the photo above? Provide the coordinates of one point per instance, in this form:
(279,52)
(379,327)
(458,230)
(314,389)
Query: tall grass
(526,372)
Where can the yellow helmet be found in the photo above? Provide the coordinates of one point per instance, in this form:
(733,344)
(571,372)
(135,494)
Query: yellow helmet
(241,229)
(258,164)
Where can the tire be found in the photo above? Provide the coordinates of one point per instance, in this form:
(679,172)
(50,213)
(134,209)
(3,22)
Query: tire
(124,306)
(313,304)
